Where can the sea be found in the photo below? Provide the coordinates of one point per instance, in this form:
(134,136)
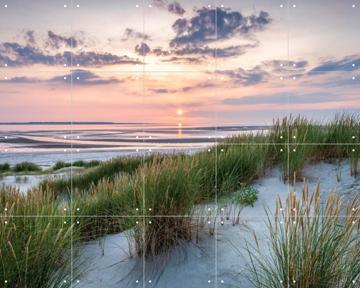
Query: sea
(45,143)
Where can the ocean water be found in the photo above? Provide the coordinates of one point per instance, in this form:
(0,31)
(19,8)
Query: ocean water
(47,143)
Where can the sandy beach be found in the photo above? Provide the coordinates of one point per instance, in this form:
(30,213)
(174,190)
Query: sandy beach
(221,257)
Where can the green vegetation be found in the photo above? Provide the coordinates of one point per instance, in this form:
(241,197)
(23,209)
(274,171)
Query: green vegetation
(311,245)
(26,167)
(246,196)
(4,167)
(106,170)
(149,187)
(80,163)
(35,239)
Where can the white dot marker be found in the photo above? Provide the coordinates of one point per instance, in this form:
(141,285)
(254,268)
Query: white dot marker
(281,6)
(294,150)
(353,78)
(137,6)
(150,281)
(65,6)
(294,6)
(281,150)
(78,6)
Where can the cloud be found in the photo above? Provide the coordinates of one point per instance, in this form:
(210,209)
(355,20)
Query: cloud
(77,77)
(210,25)
(284,98)
(160,52)
(29,37)
(348,63)
(176,8)
(214,52)
(173,7)
(88,59)
(142,49)
(83,77)
(14,54)
(285,66)
(132,34)
(162,91)
(21,80)
(186,60)
(56,41)
(201,85)
(246,77)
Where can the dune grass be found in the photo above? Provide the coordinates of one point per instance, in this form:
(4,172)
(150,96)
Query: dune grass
(311,244)
(149,190)
(35,240)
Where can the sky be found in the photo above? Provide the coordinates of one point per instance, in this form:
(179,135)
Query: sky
(178,62)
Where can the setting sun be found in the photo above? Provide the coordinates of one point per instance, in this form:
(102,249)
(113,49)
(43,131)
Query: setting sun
(179,112)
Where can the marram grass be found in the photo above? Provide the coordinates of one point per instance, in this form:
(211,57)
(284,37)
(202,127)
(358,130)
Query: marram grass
(312,244)
(171,185)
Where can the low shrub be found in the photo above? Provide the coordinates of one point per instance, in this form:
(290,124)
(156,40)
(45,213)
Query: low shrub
(27,167)
(4,167)
(246,196)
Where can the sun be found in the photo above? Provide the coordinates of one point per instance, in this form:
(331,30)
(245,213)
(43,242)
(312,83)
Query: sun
(179,112)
